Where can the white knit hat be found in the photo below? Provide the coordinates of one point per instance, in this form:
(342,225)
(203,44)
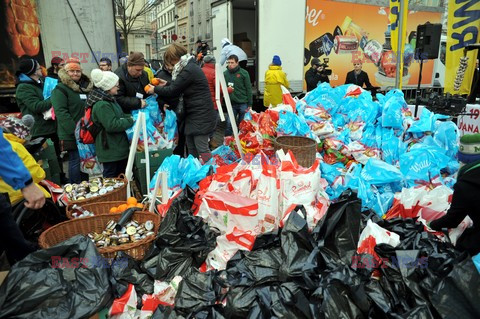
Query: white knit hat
(104,80)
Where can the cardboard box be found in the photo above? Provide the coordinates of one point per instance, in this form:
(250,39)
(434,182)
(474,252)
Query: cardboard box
(247,47)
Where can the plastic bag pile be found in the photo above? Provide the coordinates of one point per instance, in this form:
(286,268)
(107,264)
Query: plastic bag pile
(162,131)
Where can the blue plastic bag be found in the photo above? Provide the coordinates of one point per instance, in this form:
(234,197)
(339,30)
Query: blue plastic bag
(377,172)
(292,125)
(446,136)
(392,112)
(170,124)
(89,163)
(48,86)
(422,163)
(152,109)
(426,122)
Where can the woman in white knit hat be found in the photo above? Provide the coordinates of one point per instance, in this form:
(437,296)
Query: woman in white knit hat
(111,143)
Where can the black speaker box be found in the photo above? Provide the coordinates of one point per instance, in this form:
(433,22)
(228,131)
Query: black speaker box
(428,40)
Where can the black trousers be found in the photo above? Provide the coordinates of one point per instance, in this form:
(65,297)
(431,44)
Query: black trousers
(113,169)
(470,241)
(243,64)
(11,237)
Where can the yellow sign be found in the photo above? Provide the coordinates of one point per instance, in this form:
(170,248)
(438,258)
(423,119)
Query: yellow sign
(463,27)
(395,31)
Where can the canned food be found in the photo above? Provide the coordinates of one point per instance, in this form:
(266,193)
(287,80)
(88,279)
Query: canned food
(131,230)
(149,225)
(345,44)
(373,51)
(150,233)
(68,188)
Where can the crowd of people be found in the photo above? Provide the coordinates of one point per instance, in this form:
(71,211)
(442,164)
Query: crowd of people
(186,86)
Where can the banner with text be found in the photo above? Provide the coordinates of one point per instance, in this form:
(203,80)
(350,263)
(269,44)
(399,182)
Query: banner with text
(463,26)
(344,32)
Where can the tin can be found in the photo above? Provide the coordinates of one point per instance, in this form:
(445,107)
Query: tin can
(373,51)
(345,44)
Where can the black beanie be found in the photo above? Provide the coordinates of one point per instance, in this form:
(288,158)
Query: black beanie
(27,67)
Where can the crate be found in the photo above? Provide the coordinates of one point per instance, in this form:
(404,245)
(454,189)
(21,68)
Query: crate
(140,167)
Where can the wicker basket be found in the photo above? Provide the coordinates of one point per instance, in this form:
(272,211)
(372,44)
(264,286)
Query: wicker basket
(63,231)
(118,194)
(303,148)
(100,208)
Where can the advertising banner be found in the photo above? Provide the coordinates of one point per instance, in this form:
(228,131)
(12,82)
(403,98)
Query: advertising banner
(463,26)
(343,32)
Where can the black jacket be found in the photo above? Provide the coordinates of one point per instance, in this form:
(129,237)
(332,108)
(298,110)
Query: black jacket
(51,73)
(466,192)
(129,87)
(172,102)
(360,80)
(312,77)
(200,117)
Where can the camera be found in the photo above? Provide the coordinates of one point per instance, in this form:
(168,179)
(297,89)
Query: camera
(325,71)
(443,104)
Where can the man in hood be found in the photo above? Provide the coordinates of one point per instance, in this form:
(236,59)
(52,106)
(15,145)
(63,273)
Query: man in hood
(229,49)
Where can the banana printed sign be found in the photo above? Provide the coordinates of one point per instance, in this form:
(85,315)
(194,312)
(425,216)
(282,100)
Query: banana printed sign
(463,27)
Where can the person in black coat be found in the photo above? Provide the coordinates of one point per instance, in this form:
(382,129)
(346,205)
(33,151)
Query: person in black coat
(188,79)
(315,75)
(357,76)
(132,80)
(466,192)
(171,103)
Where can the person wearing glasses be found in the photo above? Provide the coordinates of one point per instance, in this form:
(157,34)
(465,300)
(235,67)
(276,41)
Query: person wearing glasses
(68,99)
(111,144)
(105,64)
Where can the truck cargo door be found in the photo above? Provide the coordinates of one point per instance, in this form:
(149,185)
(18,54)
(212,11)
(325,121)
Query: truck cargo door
(221,25)
(281,31)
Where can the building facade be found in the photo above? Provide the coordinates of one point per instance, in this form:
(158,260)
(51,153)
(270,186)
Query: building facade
(183,23)
(200,22)
(165,23)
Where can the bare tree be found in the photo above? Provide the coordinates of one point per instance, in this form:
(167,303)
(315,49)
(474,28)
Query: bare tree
(127,12)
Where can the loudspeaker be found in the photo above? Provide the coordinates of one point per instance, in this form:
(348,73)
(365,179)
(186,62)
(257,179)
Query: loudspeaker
(428,40)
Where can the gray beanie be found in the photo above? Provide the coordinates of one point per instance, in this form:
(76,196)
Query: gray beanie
(209,59)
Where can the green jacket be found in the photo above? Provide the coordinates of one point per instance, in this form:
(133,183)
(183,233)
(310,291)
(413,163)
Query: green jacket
(114,122)
(29,96)
(69,108)
(242,88)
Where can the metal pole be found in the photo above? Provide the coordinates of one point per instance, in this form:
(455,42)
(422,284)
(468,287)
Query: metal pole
(399,53)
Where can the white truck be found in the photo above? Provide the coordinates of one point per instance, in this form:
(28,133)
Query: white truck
(273,27)
(82,29)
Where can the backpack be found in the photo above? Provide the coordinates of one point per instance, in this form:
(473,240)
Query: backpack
(87,129)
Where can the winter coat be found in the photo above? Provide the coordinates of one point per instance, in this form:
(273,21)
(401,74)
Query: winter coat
(360,80)
(36,172)
(172,102)
(464,203)
(231,49)
(209,71)
(129,87)
(68,99)
(200,116)
(274,77)
(242,88)
(11,171)
(30,100)
(112,143)
(51,73)
(312,77)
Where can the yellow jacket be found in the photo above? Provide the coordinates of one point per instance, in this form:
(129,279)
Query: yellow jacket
(274,77)
(149,72)
(37,172)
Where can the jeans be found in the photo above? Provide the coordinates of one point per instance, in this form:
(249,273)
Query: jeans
(239,111)
(113,169)
(11,237)
(74,174)
(198,147)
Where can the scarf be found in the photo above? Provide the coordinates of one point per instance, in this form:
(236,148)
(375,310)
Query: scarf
(97,95)
(178,67)
(234,69)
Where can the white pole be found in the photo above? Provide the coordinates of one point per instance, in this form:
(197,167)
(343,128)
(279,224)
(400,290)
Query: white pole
(133,149)
(153,197)
(218,70)
(147,153)
(228,104)
(164,187)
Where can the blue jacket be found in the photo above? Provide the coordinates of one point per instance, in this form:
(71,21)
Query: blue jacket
(12,170)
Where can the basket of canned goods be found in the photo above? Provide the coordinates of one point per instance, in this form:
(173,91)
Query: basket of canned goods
(96,190)
(109,233)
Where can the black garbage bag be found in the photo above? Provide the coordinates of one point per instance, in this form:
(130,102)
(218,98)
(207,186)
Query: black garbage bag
(337,233)
(42,286)
(127,270)
(279,300)
(255,268)
(195,292)
(183,241)
(458,294)
(210,312)
(296,245)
